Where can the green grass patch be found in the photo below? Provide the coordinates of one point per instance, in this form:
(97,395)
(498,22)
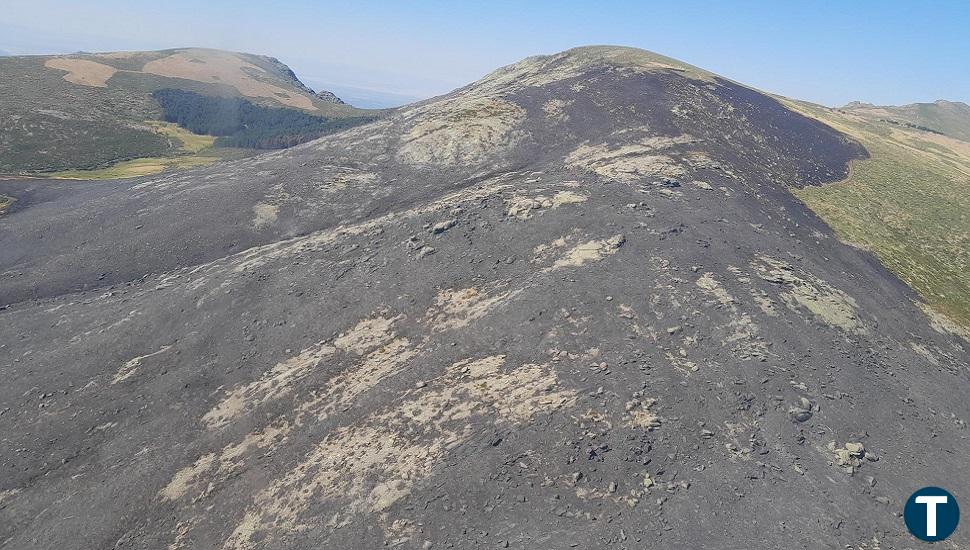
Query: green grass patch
(192,143)
(193,150)
(152,165)
(909,204)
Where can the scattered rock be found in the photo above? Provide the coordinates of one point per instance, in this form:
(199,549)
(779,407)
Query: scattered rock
(801,412)
(647,481)
(849,456)
(441,227)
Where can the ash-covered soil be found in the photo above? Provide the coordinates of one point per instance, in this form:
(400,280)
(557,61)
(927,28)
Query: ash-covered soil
(571,305)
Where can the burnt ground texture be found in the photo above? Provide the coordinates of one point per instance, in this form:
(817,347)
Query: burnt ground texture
(573,304)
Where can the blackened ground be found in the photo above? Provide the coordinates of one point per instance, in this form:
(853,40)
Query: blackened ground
(576,307)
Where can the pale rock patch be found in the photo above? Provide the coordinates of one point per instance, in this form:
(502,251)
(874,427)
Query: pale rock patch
(630,162)
(925,352)
(129,368)
(278,382)
(457,308)
(462,131)
(273,384)
(640,415)
(831,305)
(742,330)
(264,214)
(943,324)
(555,109)
(8,494)
(213,469)
(523,208)
(588,252)
(367,467)
(367,334)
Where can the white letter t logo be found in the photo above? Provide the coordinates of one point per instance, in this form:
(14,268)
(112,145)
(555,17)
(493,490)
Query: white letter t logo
(931,503)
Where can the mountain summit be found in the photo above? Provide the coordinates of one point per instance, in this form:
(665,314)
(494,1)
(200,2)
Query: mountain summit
(574,303)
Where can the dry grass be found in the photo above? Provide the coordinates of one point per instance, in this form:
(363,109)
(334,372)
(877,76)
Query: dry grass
(195,150)
(82,71)
(218,67)
(138,167)
(191,143)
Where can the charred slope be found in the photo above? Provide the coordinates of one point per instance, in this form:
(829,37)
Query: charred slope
(571,304)
(618,115)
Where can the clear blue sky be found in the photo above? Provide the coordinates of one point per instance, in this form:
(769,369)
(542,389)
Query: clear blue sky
(885,52)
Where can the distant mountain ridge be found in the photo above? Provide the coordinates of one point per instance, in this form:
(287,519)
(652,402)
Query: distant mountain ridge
(86,110)
(951,118)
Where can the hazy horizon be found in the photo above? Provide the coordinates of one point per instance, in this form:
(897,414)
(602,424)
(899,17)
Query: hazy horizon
(381,54)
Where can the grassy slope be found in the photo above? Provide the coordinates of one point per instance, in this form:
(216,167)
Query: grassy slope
(909,204)
(192,143)
(953,119)
(195,150)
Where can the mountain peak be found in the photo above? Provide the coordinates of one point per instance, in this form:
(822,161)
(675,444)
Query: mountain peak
(545,69)
(622,113)
(625,56)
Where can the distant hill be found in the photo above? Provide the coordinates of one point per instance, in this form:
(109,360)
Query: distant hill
(88,110)
(951,118)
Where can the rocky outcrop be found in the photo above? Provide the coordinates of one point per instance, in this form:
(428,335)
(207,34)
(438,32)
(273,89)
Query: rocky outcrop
(329,97)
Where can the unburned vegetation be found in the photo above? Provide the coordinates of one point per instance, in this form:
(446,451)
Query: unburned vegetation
(908,203)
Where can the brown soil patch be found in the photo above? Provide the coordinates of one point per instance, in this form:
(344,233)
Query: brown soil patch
(82,71)
(224,68)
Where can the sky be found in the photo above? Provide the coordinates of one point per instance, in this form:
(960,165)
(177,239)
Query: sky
(386,53)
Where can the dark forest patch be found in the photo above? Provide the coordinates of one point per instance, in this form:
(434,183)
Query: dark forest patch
(241,123)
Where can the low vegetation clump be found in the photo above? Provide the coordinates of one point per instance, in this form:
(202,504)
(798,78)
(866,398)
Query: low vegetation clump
(5,202)
(911,125)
